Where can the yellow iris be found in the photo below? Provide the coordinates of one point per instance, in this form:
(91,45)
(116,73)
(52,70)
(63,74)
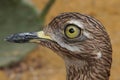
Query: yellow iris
(72,31)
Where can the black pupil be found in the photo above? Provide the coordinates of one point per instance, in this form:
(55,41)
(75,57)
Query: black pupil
(71,30)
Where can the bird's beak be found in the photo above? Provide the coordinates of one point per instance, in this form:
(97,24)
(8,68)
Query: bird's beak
(34,37)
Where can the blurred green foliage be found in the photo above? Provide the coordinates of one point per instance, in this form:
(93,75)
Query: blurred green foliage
(16,16)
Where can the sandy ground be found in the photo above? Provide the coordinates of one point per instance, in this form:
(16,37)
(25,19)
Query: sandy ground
(51,66)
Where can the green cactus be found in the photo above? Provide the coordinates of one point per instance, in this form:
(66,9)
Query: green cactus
(16,16)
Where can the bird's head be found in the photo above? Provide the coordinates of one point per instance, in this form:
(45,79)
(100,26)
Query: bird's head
(71,35)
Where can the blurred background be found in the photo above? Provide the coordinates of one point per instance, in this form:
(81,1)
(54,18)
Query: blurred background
(34,62)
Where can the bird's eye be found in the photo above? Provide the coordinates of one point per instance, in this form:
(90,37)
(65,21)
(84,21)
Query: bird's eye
(72,31)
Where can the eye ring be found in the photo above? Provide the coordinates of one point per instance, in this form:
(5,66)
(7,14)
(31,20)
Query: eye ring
(72,31)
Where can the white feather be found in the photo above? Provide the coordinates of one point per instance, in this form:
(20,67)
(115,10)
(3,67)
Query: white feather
(88,35)
(76,22)
(64,45)
(99,55)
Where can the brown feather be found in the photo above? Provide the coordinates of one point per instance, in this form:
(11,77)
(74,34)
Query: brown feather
(82,65)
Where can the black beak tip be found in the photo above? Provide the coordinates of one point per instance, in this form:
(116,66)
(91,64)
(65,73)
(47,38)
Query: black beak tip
(9,38)
(21,37)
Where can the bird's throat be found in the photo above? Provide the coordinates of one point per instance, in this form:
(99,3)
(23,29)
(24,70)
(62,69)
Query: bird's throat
(84,71)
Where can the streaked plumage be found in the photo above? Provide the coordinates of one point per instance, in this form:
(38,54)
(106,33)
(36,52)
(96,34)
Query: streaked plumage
(81,41)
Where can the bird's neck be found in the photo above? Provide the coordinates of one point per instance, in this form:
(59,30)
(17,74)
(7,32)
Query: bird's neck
(83,71)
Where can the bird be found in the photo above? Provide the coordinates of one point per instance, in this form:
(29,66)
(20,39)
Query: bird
(80,40)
